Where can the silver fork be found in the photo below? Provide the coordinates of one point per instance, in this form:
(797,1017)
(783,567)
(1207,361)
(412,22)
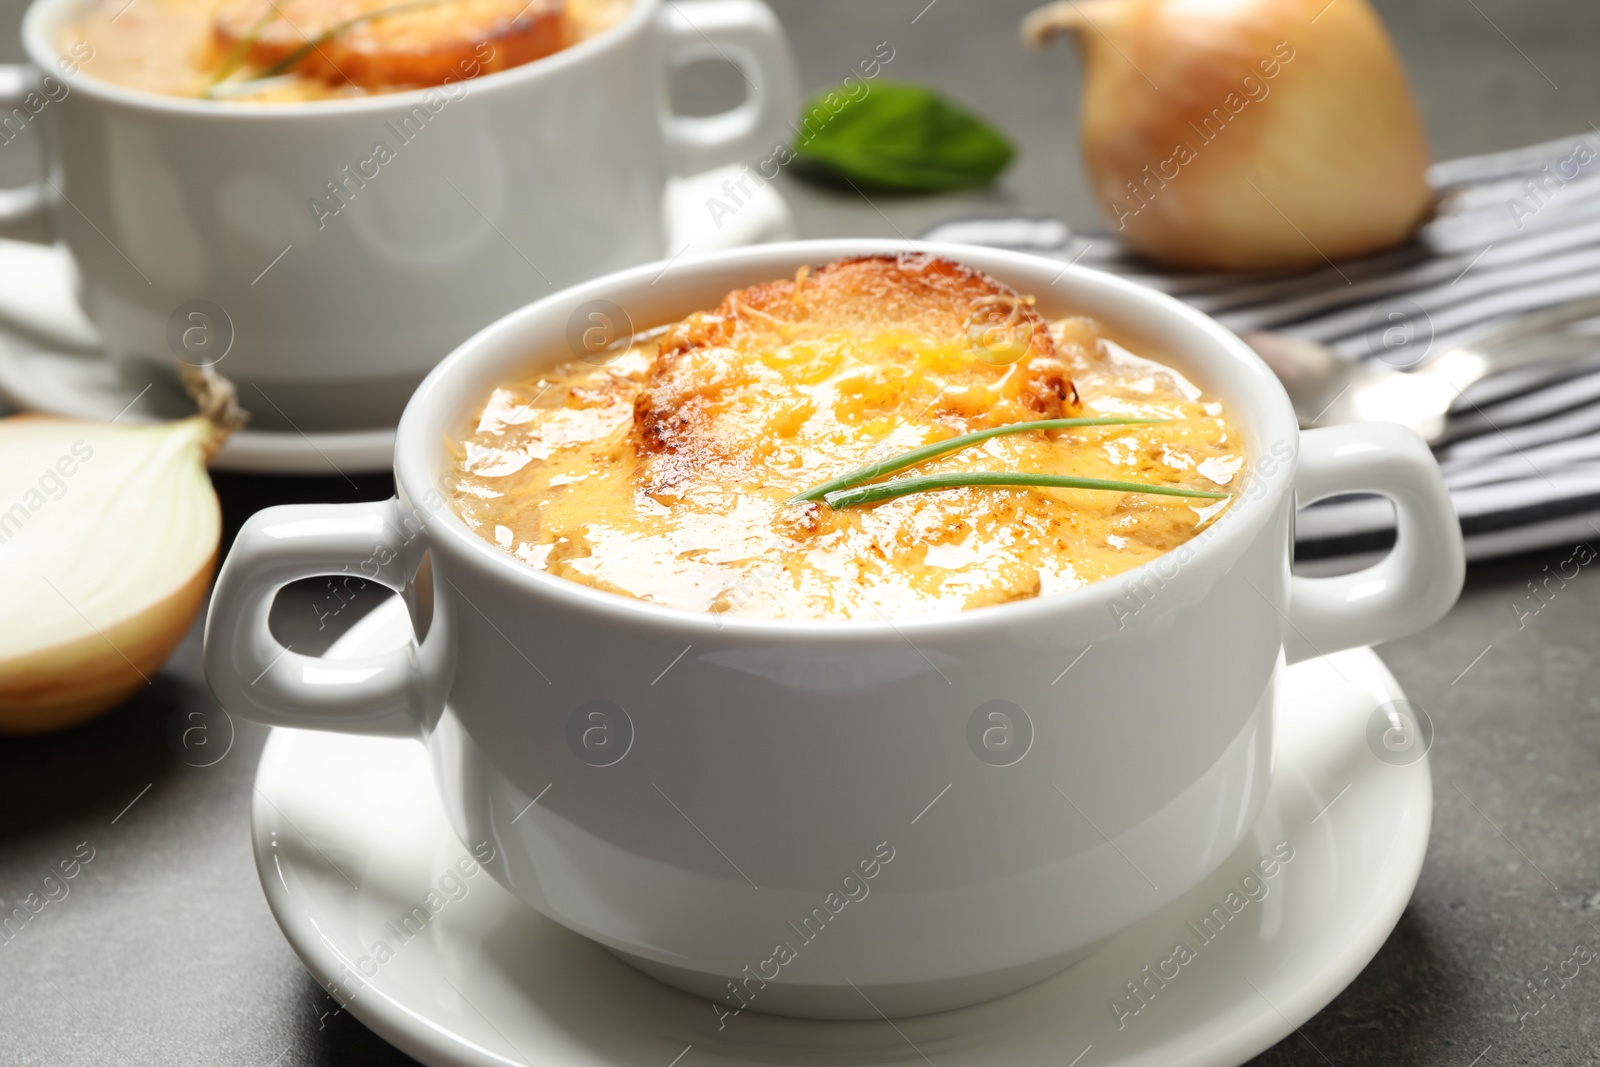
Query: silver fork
(1327,390)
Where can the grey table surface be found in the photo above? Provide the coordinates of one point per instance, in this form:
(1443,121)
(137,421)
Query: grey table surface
(165,953)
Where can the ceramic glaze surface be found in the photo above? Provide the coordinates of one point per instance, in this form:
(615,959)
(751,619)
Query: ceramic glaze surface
(52,362)
(713,780)
(489,980)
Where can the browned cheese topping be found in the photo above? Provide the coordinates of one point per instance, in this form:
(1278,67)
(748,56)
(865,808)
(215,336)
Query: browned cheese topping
(662,472)
(334,48)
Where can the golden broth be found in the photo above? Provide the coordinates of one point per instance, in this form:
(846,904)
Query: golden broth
(553,471)
(170,47)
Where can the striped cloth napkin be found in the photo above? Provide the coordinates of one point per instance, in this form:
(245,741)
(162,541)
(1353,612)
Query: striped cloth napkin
(1515,232)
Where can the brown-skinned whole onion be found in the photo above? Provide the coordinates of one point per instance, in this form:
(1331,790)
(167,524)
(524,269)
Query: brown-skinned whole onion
(1245,134)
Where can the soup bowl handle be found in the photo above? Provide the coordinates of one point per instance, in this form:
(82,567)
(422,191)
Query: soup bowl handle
(1417,582)
(256,677)
(746,33)
(27,210)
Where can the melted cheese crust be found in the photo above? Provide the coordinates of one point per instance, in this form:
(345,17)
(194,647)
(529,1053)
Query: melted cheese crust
(175,47)
(556,471)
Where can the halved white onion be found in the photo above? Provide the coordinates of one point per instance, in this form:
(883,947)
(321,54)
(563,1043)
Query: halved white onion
(108,539)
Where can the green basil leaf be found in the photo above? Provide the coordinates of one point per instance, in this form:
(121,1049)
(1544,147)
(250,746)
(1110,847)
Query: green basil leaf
(899,137)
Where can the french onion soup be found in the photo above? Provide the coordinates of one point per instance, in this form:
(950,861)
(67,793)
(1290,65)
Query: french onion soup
(293,50)
(717,464)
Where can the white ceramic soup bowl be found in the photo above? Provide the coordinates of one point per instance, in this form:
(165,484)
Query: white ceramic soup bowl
(330,252)
(790,814)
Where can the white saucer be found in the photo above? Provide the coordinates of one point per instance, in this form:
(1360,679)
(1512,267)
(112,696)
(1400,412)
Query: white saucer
(350,836)
(49,358)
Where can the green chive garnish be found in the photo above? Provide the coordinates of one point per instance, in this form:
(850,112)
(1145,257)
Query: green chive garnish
(236,57)
(939,448)
(294,59)
(870,494)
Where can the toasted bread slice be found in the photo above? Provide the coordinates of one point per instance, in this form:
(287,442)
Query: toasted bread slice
(415,43)
(859,347)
